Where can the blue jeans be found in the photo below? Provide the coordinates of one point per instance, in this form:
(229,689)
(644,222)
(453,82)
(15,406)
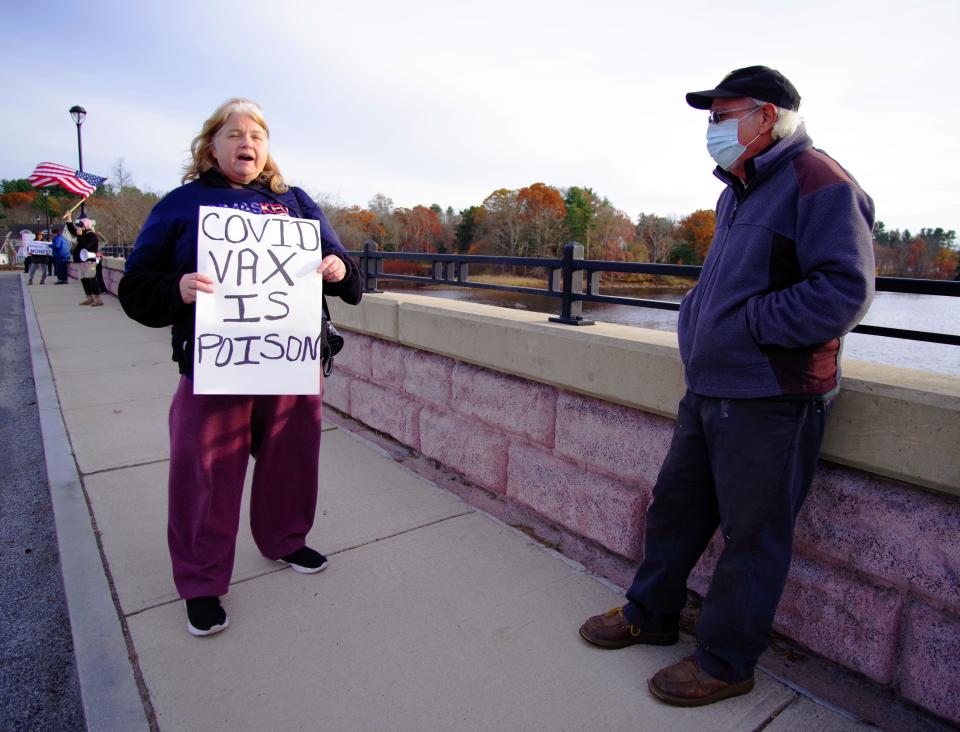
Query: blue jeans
(35,266)
(60,267)
(744,465)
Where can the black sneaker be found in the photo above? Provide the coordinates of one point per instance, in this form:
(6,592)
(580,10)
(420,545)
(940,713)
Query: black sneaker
(305,560)
(205,616)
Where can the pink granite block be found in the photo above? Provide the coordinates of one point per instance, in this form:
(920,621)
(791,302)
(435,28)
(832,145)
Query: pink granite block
(427,377)
(599,508)
(837,615)
(386,410)
(336,390)
(513,404)
(930,667)
(894,531)
(387,363)
(465,445)
(355,356)
(627,443)
(111,278)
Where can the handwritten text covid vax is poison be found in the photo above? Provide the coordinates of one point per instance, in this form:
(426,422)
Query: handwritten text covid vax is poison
(259,331)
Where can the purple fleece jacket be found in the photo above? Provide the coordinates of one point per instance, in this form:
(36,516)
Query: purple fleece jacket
(789,272)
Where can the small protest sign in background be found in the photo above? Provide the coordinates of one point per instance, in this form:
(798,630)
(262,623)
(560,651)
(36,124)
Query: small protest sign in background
(259,331)
(39,248)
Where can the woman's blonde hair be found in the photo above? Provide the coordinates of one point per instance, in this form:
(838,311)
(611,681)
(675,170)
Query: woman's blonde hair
(201,148)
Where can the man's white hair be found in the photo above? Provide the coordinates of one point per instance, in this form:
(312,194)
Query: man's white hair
(787,121)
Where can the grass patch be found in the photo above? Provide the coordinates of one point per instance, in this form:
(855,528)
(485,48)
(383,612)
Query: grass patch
(509,280)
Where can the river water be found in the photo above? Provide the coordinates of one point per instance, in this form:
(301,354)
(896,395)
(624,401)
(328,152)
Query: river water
(890,309)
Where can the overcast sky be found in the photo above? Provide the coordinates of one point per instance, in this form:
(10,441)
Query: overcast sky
(444,102)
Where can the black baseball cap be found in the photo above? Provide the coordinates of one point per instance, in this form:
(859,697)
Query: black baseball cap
(758,82)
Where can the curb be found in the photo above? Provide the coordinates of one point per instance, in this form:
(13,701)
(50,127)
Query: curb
(108,688)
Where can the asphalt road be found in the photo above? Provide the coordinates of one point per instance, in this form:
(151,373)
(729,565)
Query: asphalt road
(38,676)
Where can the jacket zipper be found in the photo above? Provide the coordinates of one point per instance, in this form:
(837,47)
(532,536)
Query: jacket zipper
(713,272)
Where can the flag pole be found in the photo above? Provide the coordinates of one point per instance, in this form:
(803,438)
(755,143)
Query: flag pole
(72,209)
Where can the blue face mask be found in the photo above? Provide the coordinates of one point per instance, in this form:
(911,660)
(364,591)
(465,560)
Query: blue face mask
(723,141)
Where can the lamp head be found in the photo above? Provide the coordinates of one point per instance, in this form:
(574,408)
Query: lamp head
(78,113)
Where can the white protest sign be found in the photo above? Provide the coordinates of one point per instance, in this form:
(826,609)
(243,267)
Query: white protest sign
(39,248)
(259,331)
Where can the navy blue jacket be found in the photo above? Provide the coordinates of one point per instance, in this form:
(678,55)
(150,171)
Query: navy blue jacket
(789,272)
(166,250)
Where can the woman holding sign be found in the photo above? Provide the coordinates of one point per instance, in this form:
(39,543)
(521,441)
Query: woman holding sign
(212,436)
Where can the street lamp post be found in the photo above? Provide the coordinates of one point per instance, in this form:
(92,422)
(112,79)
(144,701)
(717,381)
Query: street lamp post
(46,208)
(38,226)
(79,114)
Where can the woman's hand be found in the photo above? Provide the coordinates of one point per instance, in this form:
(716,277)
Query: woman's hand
(332,268)
(190,284)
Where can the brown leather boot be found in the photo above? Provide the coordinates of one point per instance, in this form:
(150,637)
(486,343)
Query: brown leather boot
(685,684)
(96,301)
(88,300)
(613,630)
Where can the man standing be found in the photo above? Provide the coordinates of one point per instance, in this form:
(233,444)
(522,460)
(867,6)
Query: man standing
(789,272)
(61,255)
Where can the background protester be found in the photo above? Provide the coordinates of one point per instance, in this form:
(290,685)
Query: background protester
(789,273)
(39,261)
(213,436)
(24,251)
(87,240)
(61,255)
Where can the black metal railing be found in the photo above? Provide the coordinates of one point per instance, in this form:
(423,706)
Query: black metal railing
(574,280)
(116,250)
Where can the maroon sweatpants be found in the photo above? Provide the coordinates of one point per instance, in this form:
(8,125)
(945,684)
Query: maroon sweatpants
(211,440)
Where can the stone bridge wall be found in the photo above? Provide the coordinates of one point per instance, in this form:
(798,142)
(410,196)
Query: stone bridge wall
(875,582)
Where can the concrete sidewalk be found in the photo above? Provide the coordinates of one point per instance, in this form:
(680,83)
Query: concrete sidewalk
(431,616)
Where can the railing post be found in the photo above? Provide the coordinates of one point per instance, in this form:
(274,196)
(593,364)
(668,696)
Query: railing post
(445,271)
(571,308)
(370,266)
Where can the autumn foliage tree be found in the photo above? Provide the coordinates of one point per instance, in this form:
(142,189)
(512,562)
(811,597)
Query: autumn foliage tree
(693,235)
(420,229)
(657,234)
(612,233)
(355,225)
(501,225)
(542,212)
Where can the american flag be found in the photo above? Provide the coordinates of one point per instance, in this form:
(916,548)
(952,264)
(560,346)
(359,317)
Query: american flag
(51,174)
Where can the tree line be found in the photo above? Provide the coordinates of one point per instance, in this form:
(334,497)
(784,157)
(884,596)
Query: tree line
(532,221)
(930,253)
